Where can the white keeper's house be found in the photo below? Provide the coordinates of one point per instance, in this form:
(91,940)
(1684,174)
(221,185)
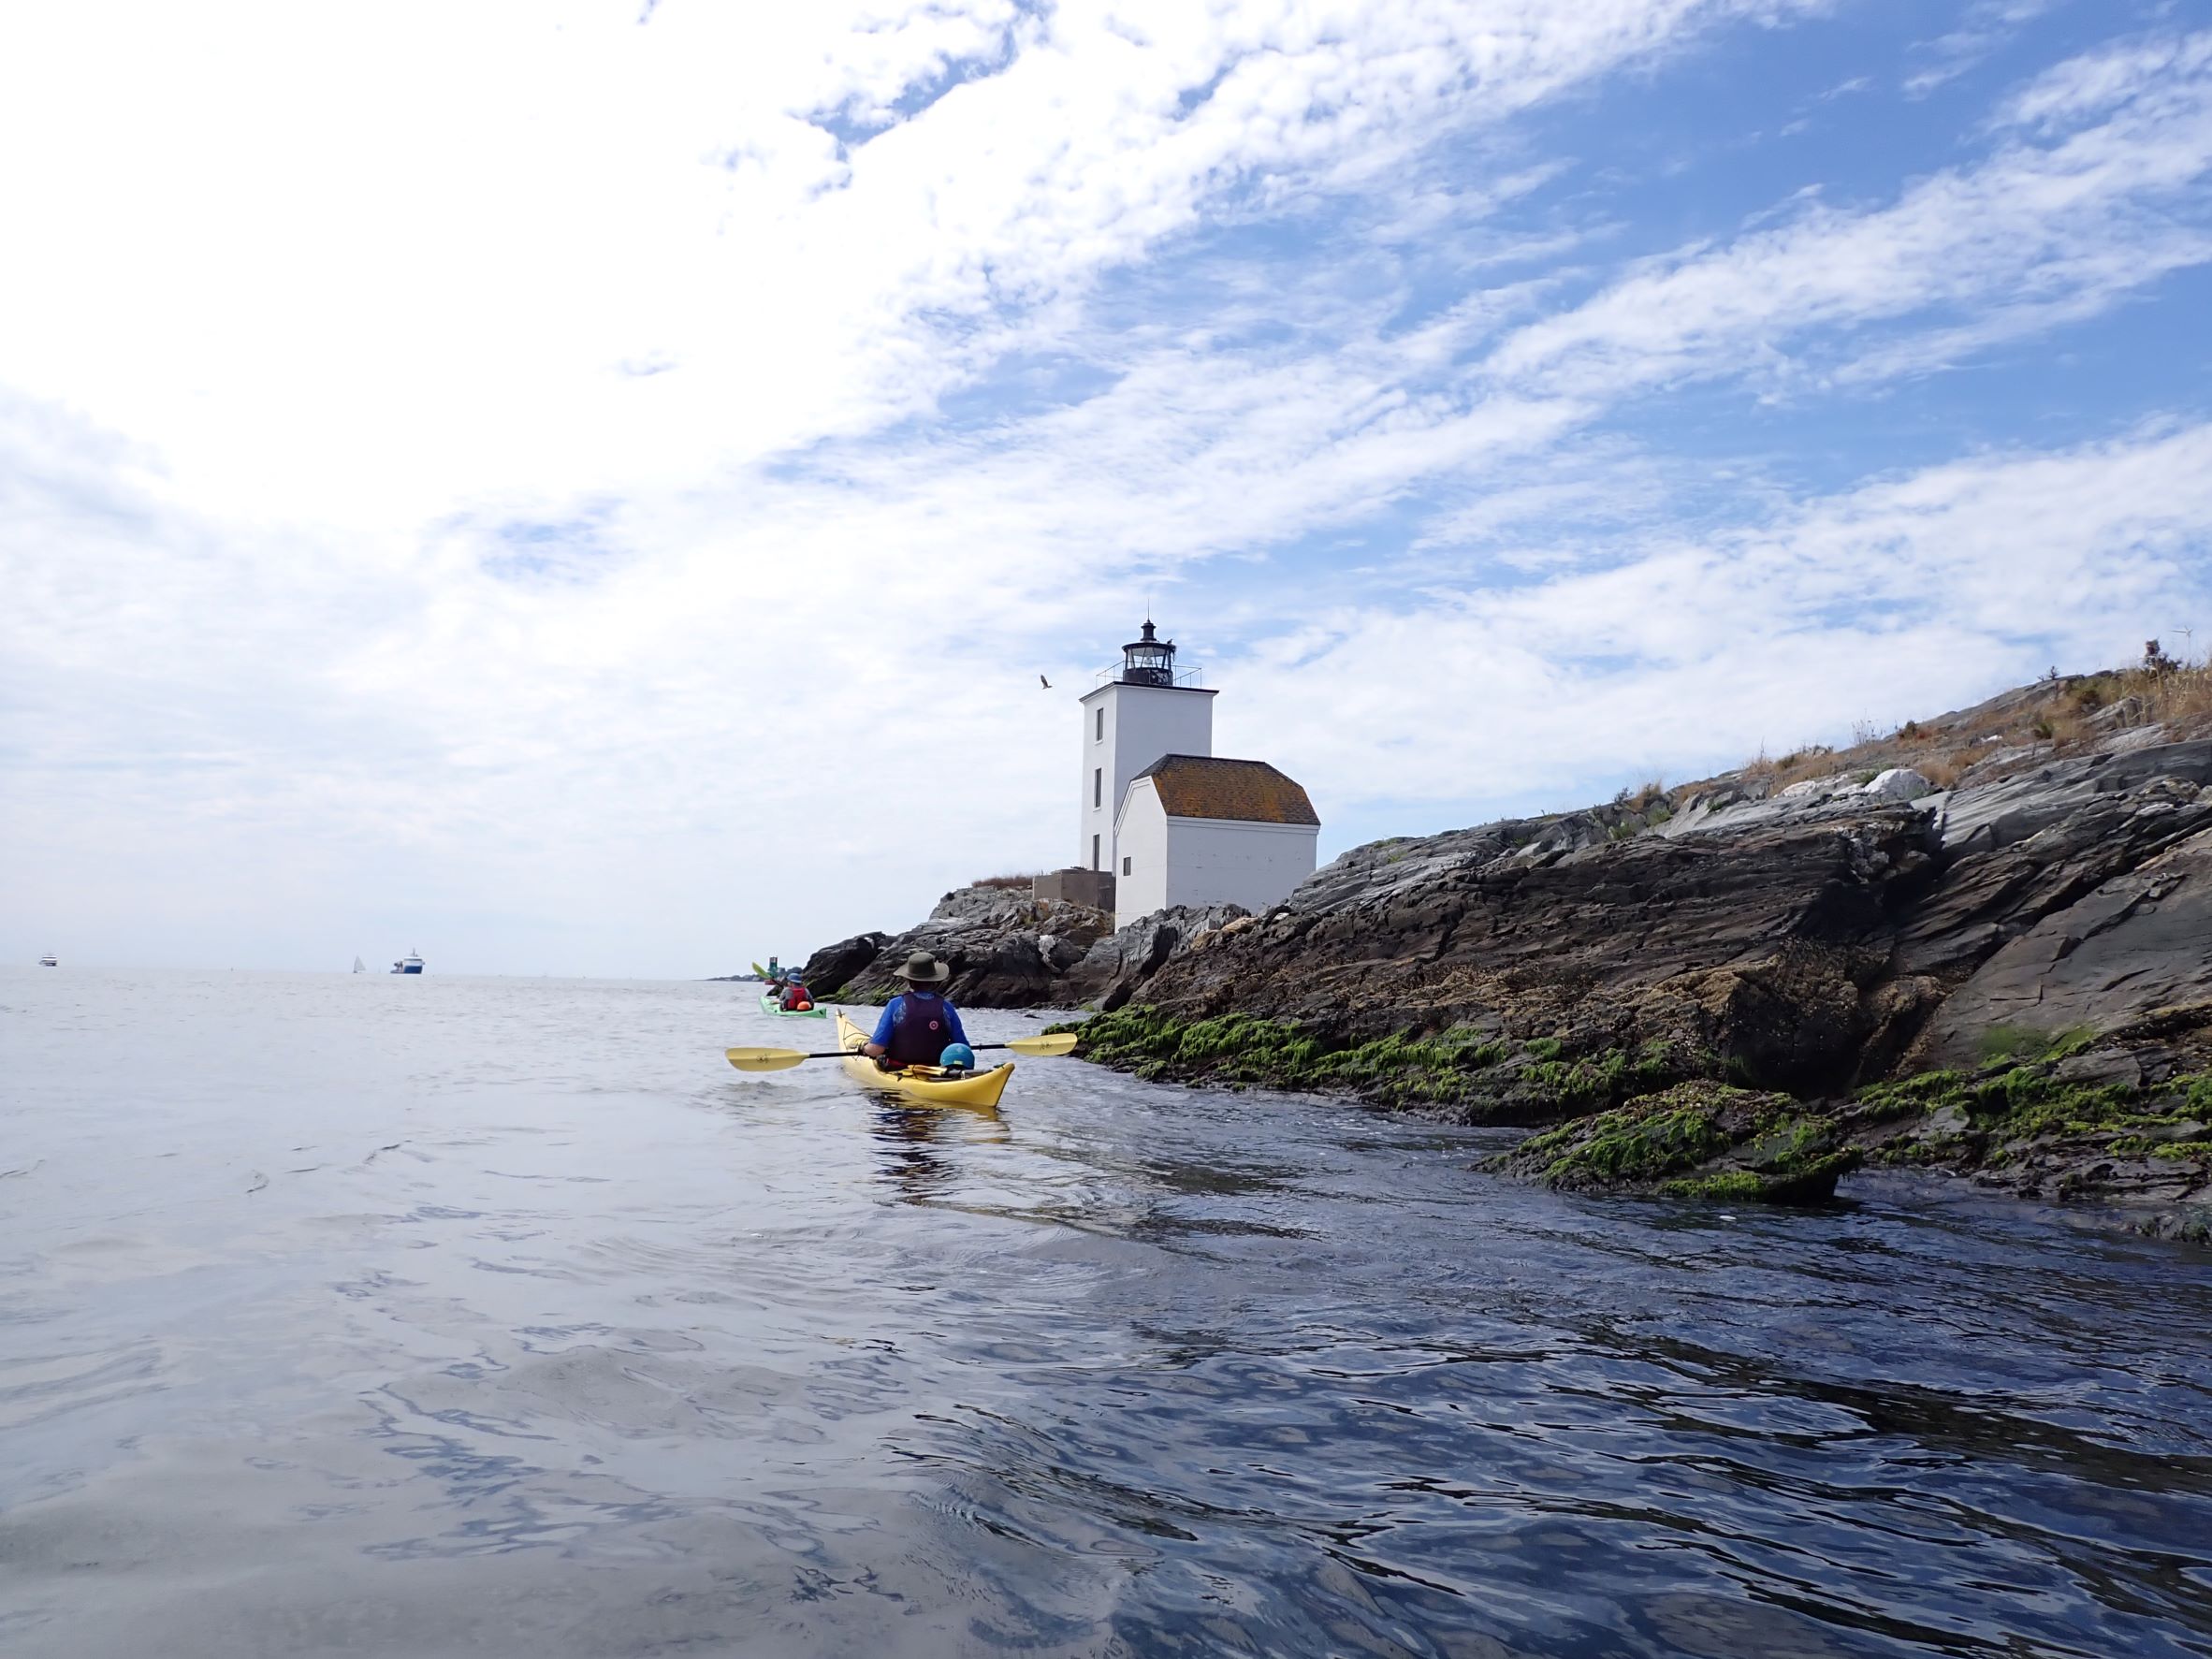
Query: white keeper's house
(1164,820)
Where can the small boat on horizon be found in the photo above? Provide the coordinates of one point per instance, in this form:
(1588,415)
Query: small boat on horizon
(48,961)
(359,966)
(411,963)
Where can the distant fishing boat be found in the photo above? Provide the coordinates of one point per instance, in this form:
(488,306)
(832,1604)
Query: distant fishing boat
(411,963)
(48,961)
(359,966)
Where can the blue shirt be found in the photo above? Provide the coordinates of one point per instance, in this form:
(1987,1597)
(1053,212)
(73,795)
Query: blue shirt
(904,1032)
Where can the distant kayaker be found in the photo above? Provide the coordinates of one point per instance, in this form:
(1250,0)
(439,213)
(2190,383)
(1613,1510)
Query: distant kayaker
(795,999)
(918,1024)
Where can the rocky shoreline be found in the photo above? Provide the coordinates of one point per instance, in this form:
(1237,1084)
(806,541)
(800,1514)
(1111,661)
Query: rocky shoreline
(1745,987)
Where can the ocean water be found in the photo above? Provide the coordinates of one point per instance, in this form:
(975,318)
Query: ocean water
(412,1318)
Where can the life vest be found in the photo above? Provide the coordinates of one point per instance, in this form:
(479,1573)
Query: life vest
(921,1027)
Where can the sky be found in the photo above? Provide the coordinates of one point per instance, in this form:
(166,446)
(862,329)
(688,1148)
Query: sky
(590,489)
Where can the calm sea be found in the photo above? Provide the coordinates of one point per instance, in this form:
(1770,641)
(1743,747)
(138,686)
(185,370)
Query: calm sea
(413,1317)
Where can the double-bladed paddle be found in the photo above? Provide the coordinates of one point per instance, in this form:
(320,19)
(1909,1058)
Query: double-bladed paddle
(782,1059)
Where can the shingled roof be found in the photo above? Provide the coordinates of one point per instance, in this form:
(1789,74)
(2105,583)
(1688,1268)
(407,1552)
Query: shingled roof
(1201,786)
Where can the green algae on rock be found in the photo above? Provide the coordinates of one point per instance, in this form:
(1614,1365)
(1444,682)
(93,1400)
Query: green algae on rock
(1470,1073)
(1696,1140)
(2046,1130)
(2077,1123)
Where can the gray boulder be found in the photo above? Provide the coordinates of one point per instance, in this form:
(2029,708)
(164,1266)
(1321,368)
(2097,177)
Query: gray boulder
(1898,783)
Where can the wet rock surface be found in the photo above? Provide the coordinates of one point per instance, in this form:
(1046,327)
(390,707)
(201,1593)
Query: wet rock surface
(2124,1125)
(1696,1140)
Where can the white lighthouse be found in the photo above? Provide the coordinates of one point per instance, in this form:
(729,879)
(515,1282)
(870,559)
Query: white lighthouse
(1164,821)
(1128,721)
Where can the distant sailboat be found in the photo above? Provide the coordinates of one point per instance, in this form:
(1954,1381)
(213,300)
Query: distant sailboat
(361,967)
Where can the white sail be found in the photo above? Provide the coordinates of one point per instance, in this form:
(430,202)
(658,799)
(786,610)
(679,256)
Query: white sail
(361,967)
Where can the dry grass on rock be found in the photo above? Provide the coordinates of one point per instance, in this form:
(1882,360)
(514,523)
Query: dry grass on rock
(2059,715)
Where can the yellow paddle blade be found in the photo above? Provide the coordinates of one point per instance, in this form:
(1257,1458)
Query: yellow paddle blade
(1060,1042)
(763,1059)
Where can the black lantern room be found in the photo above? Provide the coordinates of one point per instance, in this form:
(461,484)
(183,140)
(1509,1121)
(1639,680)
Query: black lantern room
(1149,660)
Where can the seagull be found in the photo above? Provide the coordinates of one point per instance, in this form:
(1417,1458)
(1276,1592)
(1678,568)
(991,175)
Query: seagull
(1044,683)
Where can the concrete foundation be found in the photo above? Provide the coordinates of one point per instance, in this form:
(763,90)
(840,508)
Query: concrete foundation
(1075,886)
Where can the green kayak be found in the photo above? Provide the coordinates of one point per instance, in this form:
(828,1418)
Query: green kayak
(768,1006)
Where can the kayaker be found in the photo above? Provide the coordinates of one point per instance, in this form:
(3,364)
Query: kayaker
(795,999)
(919,1024)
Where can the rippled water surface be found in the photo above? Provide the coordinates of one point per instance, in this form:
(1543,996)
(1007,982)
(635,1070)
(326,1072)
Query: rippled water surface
(410,1317)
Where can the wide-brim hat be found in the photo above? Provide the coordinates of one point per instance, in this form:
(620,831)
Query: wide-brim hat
(922,968)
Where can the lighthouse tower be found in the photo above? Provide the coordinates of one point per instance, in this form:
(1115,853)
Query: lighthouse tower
(1136,714)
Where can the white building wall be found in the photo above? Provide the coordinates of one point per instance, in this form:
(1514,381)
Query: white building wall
(1144,841)
(1213,861)
(1140,724)
(1204,861)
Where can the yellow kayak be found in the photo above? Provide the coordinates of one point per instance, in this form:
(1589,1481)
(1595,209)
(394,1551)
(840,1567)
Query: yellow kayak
(930,1084)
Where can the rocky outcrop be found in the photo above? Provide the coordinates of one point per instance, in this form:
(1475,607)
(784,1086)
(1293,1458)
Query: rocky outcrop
(1808,944)
(1006,950)
(2026,884)
(830,970)
(1764,950)
(1113,969)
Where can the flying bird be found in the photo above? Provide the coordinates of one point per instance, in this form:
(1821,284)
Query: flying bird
(1044,683)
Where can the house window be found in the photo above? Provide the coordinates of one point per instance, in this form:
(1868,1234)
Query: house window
(1094,852)
(1098,786)
(1098,725)
(1124,864)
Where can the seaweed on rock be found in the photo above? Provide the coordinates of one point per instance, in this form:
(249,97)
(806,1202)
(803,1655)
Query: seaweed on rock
(1696,1140)
(1465,1071)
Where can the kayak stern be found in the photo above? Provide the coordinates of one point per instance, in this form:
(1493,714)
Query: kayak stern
(930,1086)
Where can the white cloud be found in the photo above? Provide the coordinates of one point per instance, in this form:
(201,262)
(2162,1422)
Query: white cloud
(495,491)
(2037,234)
(1986,27)
(364,267)
(1891,601)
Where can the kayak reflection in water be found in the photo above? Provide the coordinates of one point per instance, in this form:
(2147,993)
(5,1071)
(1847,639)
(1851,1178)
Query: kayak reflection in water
(906,1134)
(919,1024)
(919,1147)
